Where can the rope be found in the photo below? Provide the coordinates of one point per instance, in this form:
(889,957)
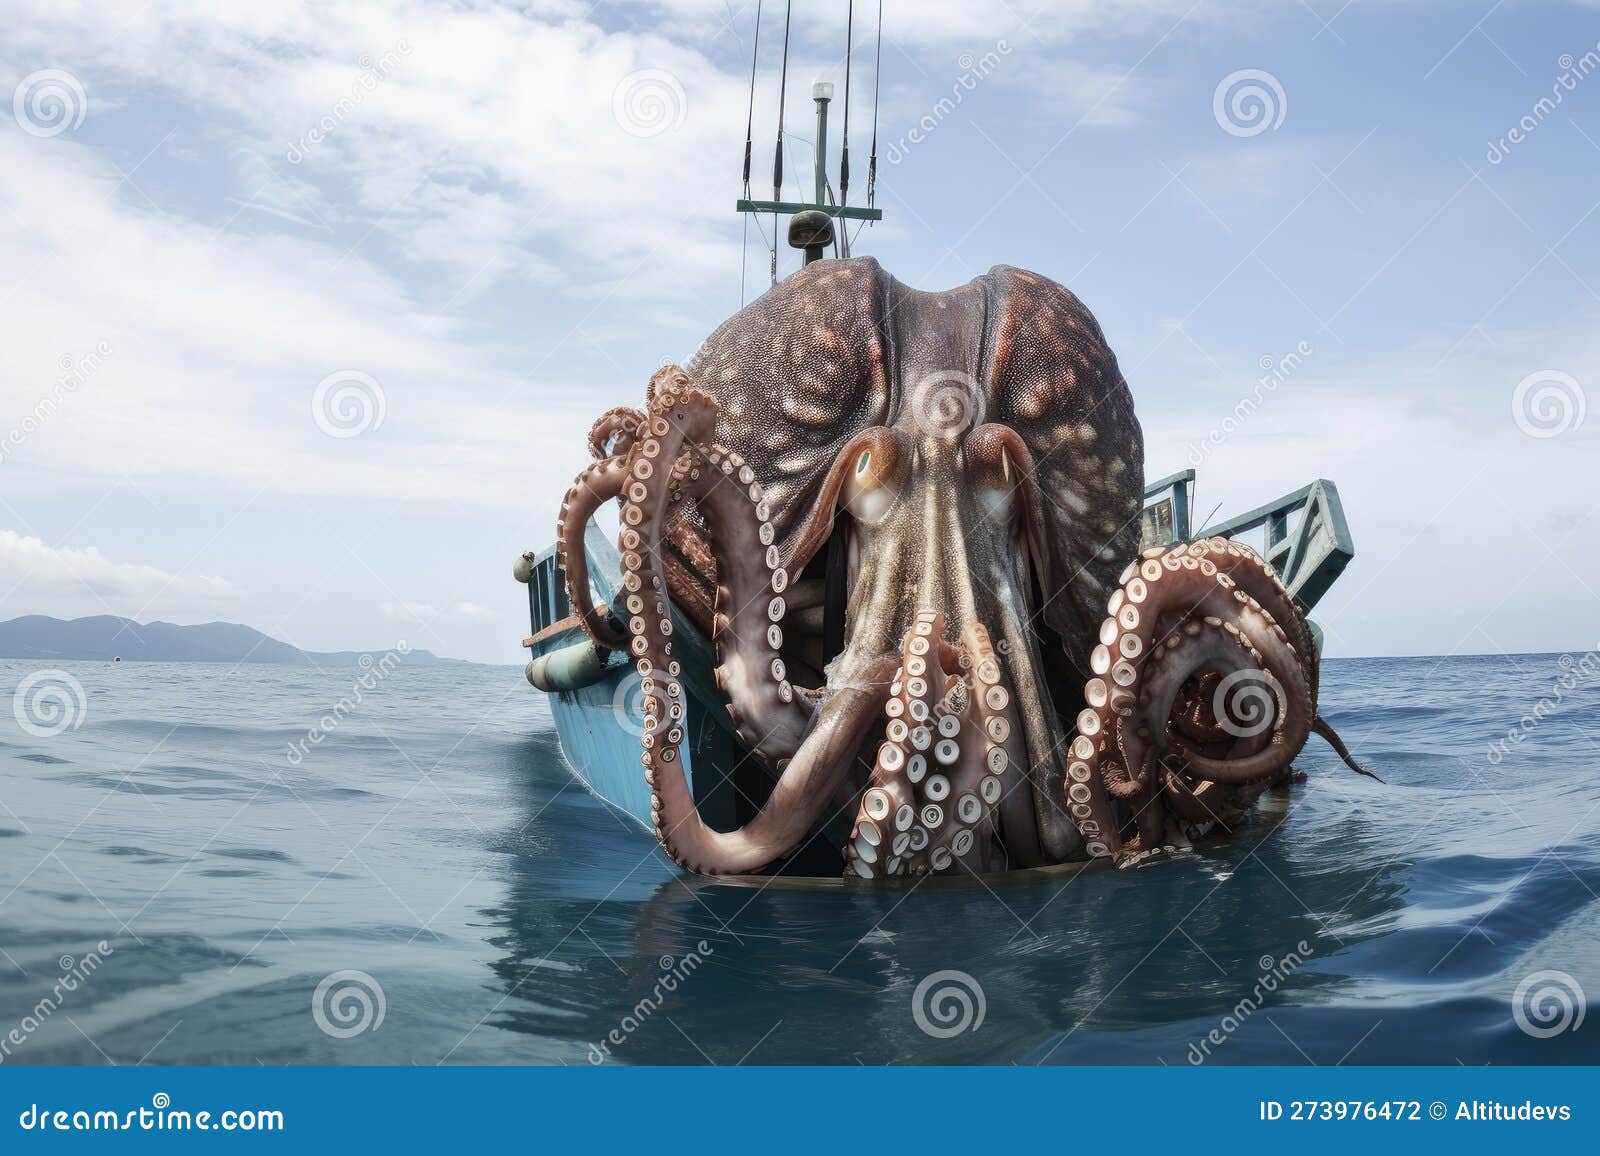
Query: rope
(750,116)
(777,156)
(872,161)
(844,151)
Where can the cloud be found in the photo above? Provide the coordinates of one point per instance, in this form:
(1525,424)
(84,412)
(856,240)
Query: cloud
(971,24)
(216,344)
(474,140)
(85,581)
(422,614)
(1461,519)
(499,144)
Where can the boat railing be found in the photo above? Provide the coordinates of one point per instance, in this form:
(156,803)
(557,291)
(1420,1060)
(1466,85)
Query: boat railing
(1304,533)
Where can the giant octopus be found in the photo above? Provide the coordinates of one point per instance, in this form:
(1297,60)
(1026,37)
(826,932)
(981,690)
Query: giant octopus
(905,520)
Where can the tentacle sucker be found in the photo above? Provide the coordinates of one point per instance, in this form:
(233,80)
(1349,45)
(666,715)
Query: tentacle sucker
(681,416)
(750,608)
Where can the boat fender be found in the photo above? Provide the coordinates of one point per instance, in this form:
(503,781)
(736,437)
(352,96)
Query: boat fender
(570,668)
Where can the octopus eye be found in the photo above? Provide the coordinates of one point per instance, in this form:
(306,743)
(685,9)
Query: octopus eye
(996,489)
(993,476)
(871,488)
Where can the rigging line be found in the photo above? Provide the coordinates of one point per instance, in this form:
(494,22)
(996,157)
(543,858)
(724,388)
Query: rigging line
(783,88)
(744,247)
(750,116)
(777,156)
(872,160)
(844,151)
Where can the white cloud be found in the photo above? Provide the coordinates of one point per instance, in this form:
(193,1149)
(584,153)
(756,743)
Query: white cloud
(84,581)
(217,342)
(422,614)
(485,140)
(412,613)
(1452,506)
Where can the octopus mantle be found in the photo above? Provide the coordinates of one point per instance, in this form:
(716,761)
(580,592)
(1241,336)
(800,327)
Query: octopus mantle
(909,522)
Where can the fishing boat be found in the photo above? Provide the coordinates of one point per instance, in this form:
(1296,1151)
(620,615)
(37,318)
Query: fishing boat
(594,694)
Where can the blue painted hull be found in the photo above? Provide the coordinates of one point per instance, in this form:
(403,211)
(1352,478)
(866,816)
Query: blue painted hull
(600,725)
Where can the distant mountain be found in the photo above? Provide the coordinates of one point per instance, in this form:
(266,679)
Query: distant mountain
(106,637)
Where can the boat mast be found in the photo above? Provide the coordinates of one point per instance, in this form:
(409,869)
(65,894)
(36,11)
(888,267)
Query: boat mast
(811,223)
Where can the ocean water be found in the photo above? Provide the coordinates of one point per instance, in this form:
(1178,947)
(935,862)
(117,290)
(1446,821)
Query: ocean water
(198,879)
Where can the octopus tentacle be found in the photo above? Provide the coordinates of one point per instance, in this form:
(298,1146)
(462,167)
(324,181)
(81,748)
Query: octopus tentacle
(1256,577)
(887,831)
(615,431)
(931,802)
(750,608)
(593,488)
(1206,644)
(963,749)
(681,417)
(951,787)
(1171,594)
(1284,737)
(930,754)
(1179,634)
(890,832)
(1006,757)
(1320,726)
(1195,803)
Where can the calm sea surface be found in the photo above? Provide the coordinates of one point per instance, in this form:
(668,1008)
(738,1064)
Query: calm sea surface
(436,844)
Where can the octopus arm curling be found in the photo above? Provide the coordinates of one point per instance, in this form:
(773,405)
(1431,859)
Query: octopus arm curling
(971,462)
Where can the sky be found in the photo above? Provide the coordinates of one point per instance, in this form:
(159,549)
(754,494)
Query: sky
(305,310)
